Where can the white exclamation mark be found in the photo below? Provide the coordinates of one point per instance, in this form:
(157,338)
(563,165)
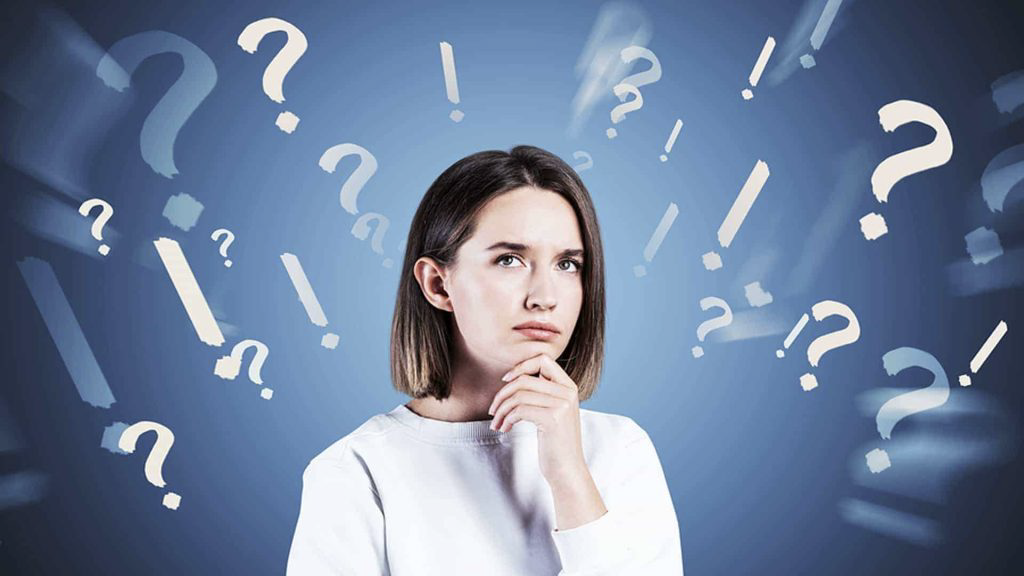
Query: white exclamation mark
(671,139)
(762,61)
(979,359)
(451,84)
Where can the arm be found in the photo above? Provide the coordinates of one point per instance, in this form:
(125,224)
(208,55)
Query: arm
(340,529)
(639,532)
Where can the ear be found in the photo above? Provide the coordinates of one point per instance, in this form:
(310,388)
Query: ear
(431,277)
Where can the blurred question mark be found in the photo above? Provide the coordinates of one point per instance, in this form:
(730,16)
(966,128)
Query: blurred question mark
(825,343)
(1002,174)
(631,84)
(589,163)
(228,367)
(946,445)
(217,234)
(350,189)
(197,79)
(906,163)
(106,211)
(362,227)
(273,77)
(898,408)
(714,324)
(155,461)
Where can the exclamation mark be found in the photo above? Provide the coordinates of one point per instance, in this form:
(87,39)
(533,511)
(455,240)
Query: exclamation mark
(986,349)
(671,139)
(762,61)
(793,335)
(821,30)
(659,234)
(451,84)
(308,297)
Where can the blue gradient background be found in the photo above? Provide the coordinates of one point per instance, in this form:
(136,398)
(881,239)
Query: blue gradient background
(756,466)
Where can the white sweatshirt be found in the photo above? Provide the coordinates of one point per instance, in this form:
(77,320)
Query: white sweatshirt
(405,495)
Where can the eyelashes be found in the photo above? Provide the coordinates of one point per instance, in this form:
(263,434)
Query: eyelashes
(579,265)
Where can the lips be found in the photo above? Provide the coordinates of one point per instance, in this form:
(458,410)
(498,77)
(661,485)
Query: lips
(536,324)
(537,333)
(538,330)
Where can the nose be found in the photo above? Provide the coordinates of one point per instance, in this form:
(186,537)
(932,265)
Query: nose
(541,290)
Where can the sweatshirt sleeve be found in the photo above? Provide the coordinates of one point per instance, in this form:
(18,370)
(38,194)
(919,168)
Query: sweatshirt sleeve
(340,529)
(639,534)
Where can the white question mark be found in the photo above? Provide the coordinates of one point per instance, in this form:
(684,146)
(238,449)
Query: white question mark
(898,408)
(906,163)
(362,227)
(350,189)
(827,342)
(97,226)
(155,460)
(217,234)
(228,367)
(273,77)
(631,84)
(619,112)
(649,76)
(589,163)
(714,324)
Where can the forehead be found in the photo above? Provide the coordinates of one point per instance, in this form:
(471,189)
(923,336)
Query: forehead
(529,216)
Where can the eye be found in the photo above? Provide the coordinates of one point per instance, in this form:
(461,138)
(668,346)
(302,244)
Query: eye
(576,262)
(503,257)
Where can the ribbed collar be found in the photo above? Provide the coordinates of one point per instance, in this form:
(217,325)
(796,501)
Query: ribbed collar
(474,431)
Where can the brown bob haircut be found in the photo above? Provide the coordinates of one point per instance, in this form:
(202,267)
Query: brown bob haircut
(421,334)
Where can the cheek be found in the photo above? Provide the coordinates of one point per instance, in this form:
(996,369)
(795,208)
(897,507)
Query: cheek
(483,309)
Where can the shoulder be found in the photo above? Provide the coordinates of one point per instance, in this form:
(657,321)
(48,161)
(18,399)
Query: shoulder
(347,451)
(608,426)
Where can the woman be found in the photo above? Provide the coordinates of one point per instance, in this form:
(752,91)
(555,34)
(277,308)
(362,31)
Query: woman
(493,468)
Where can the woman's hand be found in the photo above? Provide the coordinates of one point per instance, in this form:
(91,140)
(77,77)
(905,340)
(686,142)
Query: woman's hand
(540,391)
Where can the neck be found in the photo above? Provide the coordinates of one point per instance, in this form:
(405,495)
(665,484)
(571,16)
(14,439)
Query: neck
(473,387)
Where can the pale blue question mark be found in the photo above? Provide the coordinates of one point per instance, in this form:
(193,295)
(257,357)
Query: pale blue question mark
(195,83)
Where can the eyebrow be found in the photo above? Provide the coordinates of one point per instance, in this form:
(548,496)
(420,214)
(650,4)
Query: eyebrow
(525,248)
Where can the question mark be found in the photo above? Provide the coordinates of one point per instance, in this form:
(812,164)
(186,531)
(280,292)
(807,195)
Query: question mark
(586,165)
(619,112)
(197,79)
(714,324)
(1002,174)
(649,76)
(273,77)
(827,342)
(155,461)
(898,408)
(228,367)
(362,227)
(906,163)
(106,211)
(350,189)
(631,84)
(217,234)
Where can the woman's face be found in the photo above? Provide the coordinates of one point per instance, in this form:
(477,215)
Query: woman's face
(523,263)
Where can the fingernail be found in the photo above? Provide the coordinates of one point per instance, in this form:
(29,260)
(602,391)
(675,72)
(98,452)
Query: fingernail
(490,411)
(505,377)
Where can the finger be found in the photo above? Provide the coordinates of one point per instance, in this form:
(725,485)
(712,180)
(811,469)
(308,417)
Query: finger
(536,414)
(543,364)
(525,382)
(520,398)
